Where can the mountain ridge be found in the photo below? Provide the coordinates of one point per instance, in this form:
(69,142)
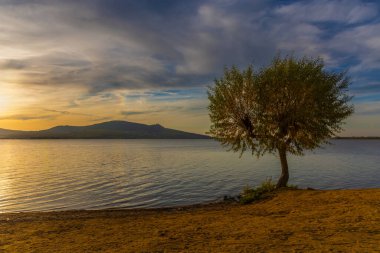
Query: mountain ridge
(116,129)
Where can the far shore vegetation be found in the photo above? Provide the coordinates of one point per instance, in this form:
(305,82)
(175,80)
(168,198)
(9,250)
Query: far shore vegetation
(358,137)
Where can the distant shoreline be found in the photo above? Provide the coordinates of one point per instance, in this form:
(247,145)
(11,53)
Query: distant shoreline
(209,138)
(298,220)
(357,138)
(205,137)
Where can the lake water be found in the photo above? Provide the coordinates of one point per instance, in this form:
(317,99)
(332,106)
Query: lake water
(43,175)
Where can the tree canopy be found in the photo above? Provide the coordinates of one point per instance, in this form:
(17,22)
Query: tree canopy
(290,106)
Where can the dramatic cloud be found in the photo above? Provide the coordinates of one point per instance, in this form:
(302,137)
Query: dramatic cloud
(149,60)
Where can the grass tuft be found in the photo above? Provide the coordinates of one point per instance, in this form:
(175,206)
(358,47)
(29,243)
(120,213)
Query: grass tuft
(250,195)
(292,186)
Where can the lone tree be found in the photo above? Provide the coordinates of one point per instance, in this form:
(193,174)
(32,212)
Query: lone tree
(291,106)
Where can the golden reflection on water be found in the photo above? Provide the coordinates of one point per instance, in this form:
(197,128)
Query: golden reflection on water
(47,175)
(6,152)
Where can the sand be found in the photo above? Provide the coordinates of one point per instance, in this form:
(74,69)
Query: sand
(289,221)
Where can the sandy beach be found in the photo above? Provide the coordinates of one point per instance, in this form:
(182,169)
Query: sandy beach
(289,221)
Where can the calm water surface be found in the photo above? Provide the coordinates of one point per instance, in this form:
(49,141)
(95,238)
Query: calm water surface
(43,175)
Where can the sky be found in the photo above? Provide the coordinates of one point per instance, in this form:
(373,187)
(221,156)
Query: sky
(84,62)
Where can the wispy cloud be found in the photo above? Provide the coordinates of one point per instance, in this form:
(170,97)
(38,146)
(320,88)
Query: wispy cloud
(343,11)
(371,108)
(93,60)
(129,45)
(27,117)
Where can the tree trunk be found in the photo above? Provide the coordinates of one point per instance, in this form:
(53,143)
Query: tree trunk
(283,180)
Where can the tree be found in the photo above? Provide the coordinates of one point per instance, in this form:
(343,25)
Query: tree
(291,106)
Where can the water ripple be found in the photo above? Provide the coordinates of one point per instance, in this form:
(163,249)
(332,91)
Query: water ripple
(45,175)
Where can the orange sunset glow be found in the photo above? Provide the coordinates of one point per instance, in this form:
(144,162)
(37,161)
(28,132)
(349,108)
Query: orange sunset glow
(71,63)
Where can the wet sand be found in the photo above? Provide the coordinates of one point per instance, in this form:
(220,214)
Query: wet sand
(289,221)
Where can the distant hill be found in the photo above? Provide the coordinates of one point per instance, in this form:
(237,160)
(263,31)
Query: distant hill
(105,130)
